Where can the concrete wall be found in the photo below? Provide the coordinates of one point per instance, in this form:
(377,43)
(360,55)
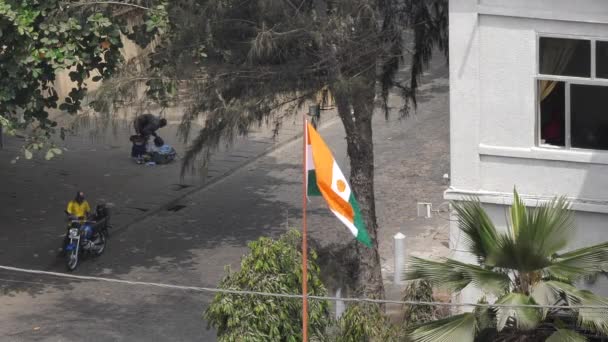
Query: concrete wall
(130,53)
(493,65)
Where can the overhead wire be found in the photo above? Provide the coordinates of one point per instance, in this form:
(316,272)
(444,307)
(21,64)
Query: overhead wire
(288,295)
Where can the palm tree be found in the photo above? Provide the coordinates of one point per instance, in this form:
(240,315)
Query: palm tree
(522,266)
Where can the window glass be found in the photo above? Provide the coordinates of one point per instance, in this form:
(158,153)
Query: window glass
(601,59)
(565,57)
(552,112)
(589,116)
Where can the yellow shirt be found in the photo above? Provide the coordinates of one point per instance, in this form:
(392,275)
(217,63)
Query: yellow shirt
(79,209)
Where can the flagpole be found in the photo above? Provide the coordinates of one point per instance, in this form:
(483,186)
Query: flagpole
(304,241)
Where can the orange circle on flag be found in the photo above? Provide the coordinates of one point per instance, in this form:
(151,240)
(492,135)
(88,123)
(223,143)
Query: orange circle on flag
(341,185)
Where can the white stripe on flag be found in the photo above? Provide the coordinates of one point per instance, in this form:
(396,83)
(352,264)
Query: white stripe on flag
(337,175)
(347,223)
(310,164)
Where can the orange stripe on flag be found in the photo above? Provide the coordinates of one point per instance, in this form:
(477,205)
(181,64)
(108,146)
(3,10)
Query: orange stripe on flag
(324,163)
(336,202)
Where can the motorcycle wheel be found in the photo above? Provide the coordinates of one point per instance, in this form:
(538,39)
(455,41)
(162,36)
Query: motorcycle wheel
(100,246)
(72,260)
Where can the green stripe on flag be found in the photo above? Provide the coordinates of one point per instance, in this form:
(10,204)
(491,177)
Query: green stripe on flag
(313,188)
(362,234)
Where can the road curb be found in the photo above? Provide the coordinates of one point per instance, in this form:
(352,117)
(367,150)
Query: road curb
(174,201)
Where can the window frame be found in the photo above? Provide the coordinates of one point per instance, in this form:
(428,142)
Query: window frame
(568,80)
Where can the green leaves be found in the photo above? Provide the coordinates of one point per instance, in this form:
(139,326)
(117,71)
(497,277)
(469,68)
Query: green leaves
(519,215)
(51,153)
(7,126)
(522,267)
(459,328)
(455,275)
(271,266)
(41,38)
(418,291)
(547,227)
(579,263)
(157,18)
(365,322)
(480,233)
(564,335)
(533,237)
(524,318)
(593,318)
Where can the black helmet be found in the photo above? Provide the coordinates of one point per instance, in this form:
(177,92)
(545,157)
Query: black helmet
(158,141)
(162,122)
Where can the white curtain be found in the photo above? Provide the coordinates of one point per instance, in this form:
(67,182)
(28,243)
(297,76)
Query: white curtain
(555,54)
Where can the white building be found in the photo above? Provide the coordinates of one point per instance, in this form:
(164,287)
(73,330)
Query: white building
(529,108)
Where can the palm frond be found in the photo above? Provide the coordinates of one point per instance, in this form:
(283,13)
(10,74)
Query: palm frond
(490,281)
(535,235)
(459,328)
(455,275)
(525,318)
(519,214)
(548,227)
(481,236)
(485,316)
(565,335)
(519,255)
(437,273)
(579,263)
(543,294)
(594,319)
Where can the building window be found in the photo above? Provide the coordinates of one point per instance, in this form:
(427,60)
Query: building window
(552,113)
(589,116)
(572,87)
(565,57)
(601,56)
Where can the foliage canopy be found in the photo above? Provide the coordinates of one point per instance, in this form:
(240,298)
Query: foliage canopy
(41,38)
(271,266)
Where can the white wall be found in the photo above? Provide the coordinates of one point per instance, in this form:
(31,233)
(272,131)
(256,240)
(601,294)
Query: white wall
(493,64)
(464,90)
(493,107)
(555,6)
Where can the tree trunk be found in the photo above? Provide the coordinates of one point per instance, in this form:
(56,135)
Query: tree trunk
(360,148)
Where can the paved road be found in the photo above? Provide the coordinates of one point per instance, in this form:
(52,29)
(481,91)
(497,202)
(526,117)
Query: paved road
(34,193)
(192,245)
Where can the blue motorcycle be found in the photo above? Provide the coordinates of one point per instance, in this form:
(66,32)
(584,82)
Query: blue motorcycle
(85,238)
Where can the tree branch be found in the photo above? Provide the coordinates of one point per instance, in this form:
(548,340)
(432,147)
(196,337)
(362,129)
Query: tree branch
(292,5)
(91,3)
(302,3)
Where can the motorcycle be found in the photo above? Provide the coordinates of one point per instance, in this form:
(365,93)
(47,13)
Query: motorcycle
(86,238)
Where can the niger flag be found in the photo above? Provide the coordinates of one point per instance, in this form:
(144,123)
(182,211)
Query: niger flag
(325,178)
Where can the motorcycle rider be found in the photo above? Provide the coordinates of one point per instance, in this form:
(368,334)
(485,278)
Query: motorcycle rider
(79,209)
